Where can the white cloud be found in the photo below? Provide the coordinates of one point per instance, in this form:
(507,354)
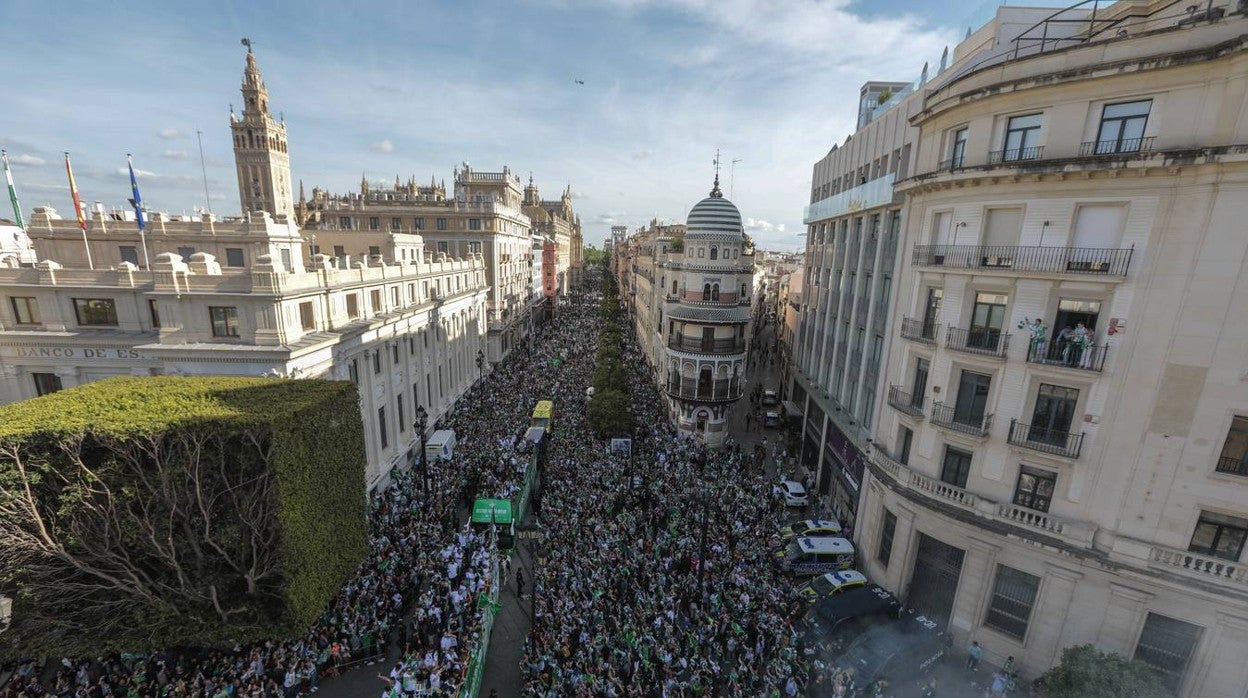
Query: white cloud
(578,194)
(156,177)
(641,154)
(172,134)
(611,218)
(27,159)
(174,155)
(757,225)
(382,147)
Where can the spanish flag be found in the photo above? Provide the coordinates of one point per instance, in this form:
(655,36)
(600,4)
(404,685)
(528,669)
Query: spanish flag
(73,191)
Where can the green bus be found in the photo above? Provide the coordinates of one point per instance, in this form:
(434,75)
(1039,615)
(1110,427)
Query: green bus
(495,513)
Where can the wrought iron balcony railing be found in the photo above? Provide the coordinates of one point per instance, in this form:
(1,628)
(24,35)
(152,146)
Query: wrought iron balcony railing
(966,422)
(1045,440)
(1034,152)
(952,163)
(1068,355)
(1103,261)
(919,330)
(1122,146)
(905,402)
(985,341)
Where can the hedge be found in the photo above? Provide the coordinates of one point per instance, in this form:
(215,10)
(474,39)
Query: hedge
(276,461)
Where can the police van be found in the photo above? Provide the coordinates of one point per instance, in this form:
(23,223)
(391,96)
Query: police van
(809,556)
(910,648)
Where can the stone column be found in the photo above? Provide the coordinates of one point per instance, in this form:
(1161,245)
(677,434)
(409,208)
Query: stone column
(1218,667)
(1047,636)
(1124,616)
(979,571)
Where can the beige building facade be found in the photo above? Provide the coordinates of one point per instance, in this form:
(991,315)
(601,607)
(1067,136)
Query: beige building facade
(1063,457)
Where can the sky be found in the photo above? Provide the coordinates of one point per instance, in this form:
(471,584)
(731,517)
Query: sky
(417,88)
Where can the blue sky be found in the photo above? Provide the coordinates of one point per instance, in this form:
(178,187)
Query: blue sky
(419,87)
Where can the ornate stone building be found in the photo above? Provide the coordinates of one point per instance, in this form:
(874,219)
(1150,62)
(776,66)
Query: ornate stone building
(260,150)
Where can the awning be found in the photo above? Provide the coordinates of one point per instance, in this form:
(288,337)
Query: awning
(791,409)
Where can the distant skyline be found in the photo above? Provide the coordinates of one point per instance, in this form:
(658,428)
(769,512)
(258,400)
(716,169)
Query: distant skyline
(418,88)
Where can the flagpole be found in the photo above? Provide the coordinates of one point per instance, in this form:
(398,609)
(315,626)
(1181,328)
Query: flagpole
(139,216)
(17,208)
(82,221)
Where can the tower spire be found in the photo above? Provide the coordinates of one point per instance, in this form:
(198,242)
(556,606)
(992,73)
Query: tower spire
(715,192)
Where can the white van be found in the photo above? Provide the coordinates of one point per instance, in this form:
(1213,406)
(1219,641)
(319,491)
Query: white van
(808,556)
(440,445)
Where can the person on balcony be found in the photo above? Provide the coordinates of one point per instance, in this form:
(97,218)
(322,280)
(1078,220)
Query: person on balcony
(1039,336)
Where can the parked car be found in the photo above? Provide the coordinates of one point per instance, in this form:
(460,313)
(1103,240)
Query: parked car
(830,584)
(794,493)
(810,556)
(770,397)
(810,528)
(838,619)
(771,419)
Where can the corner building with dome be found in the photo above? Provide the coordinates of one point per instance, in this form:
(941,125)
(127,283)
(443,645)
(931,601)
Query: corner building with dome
(689,291)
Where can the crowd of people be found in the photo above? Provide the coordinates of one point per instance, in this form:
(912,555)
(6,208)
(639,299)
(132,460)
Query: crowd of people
(656,580)
(419,586)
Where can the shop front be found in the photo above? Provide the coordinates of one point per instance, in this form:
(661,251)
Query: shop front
(841,472)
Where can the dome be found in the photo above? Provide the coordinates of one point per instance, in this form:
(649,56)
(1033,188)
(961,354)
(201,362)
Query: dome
(715,217)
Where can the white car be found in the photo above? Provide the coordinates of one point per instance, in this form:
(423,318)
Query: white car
(770,397)
(793,492)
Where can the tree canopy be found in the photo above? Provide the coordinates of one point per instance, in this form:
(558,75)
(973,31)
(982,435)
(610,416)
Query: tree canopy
(1086,672)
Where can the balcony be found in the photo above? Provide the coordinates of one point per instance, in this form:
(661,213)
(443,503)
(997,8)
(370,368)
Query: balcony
(919,330)
(1045,440)
(705,391)
(998,157)
(905,402)
(1107,261)
(1126,146)
(983,341)
(971,424)
(877,192)
(952,163)
(1068,355)
(1233,466)
(1203,567)
(707,346)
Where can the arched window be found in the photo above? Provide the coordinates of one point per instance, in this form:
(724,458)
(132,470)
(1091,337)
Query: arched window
(715,291)
(743,290)
(701,252)
(673,287)
(706,292)
(714,252)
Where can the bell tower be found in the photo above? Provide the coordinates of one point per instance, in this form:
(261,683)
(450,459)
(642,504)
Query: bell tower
(260,155)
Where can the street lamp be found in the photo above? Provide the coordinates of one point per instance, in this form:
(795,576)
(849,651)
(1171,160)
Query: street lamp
(422,421)
(481,362)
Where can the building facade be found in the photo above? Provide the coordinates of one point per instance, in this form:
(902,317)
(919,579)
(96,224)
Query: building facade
(1062,457)
(689,289)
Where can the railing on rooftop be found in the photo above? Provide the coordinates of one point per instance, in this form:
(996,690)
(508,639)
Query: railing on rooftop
(1103,261)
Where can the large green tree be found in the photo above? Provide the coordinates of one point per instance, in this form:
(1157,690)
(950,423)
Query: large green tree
(144,513)
(1086,672)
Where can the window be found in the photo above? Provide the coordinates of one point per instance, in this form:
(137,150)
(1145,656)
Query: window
(353,305)
(987,318)
(26,310)
(376,362)
(443,246)
(1219,535)
(1034,489)
(224,320)
(1234,458)
(186,252)
(353,371)
(888,528)
(46,383)
(96,311)
(474,248)
(375,297)
(129,254)
(307,317)
(402,420)
(957,466)
(441,224)
(904,440)
(1167,645)
(154,310)
(344,222)
(374,223)
(701,252)
(1053,415)
(1122,127)
(714,252)
(286,261)
(396,224)
(420,223)
(340,251)
(234,257)
(1013,595)
(474,223)
(381,427)
(957,149)
(972,400)
(374,251)
(1022,138)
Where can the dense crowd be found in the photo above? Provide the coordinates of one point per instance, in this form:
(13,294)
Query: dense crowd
(656,580)
(419,585)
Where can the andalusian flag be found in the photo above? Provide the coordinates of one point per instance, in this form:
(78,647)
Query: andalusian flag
(137,201)
(73,191)
(17,208)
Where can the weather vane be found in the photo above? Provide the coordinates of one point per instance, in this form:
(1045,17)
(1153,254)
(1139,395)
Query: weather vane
(247,42)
